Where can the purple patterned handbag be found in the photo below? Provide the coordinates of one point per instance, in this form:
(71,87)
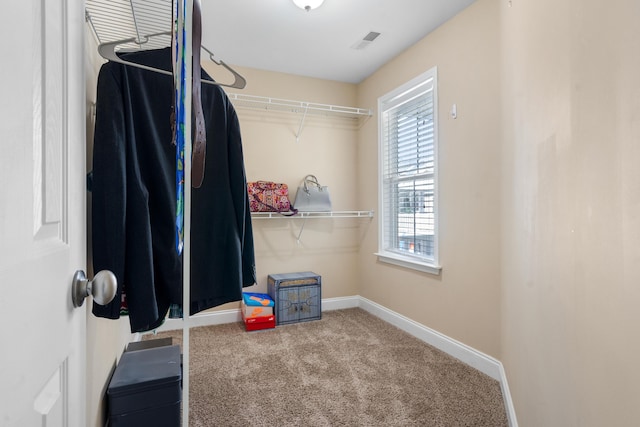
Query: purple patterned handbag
(268,196)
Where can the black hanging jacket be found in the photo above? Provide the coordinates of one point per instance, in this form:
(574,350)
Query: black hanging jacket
(134,203)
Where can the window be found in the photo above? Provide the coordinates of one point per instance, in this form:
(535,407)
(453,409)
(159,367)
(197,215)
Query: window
(408,175)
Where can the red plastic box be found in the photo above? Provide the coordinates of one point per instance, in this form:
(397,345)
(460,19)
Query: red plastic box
(260,322)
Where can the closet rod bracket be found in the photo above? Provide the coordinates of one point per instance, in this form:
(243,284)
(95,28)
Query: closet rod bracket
(304,115)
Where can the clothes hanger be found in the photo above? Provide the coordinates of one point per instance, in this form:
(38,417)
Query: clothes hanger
(107,51)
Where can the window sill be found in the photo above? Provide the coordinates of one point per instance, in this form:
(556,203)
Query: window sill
(408,262)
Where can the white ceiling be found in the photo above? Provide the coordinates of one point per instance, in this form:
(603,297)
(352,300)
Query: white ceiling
(276,35)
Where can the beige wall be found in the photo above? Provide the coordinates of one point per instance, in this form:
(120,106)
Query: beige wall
(464,301)
(106,339)
(571,211)
(327,149)
(538,262)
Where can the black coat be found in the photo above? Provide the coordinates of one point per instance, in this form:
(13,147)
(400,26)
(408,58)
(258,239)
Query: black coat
(133,197)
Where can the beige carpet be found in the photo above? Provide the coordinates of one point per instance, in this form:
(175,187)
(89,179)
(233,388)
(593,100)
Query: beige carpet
(348,369)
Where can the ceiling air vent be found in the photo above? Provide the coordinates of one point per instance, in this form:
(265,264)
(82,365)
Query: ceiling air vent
(366,40)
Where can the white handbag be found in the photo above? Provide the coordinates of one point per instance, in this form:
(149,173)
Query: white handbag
(312,197)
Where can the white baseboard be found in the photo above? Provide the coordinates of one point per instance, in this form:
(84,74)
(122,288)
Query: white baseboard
(480,361)
(340,303)
(472,357)
(506,396)
(135,337)
(204,319)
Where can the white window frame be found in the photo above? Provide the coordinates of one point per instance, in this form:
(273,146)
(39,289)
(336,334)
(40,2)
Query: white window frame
(393,99)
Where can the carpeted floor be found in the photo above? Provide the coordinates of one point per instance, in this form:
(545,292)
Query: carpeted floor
(348,369)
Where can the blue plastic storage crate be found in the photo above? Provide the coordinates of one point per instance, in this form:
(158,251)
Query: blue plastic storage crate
(297,296)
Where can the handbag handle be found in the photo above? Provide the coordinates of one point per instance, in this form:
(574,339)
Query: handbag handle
(292,211)
(311,179)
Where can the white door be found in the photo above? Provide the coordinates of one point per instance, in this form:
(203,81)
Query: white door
(42,213)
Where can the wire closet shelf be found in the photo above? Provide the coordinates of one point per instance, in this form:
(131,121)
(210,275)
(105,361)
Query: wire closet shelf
(333,214)
(286,105)
(113,20)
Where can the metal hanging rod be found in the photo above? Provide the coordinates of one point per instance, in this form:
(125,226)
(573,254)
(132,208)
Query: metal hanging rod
(267,103)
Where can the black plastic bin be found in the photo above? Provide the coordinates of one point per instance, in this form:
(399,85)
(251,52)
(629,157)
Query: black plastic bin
(145,389)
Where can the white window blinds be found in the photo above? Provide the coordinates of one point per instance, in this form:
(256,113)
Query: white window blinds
(408,170)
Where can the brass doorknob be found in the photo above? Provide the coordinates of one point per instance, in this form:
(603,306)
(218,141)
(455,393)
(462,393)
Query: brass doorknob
(103,287)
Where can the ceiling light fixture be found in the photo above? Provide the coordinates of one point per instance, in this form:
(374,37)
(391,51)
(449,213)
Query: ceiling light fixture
(308,4)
